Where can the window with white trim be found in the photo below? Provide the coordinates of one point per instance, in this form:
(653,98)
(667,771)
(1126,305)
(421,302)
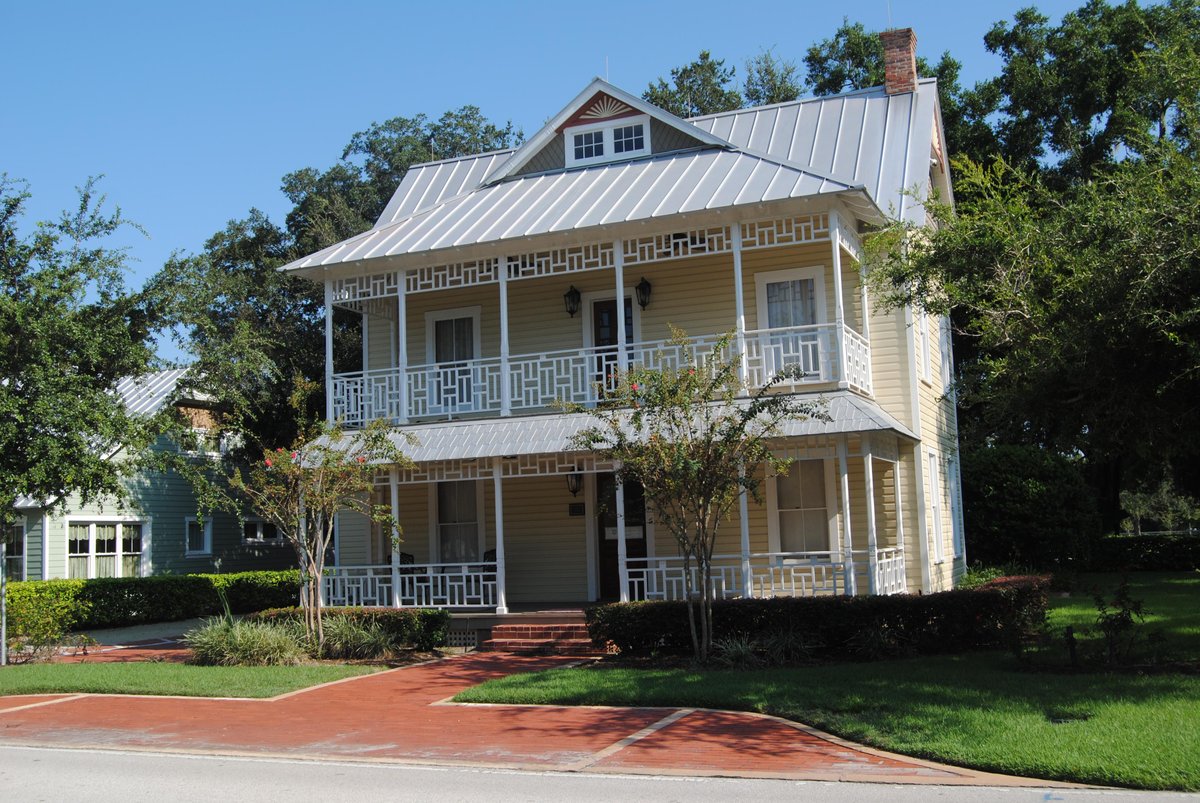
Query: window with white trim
(594,143)
(198,537)
(458,524)
(956,523)
(945,357)
(14,555)
(256,531)
(923,337)
(802,506)
(454,383)
(937,533)
(791,310)
(104,549)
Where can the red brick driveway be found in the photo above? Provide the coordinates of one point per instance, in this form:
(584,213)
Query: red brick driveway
(402,715)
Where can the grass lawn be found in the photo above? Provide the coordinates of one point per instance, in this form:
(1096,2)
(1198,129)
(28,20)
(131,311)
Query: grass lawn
(980,710)
(169,678)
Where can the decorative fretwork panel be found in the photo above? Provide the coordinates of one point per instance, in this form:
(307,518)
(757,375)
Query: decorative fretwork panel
(676,245)
(785,231)
(349,289)
(459,274)
(594,256)
(526,465)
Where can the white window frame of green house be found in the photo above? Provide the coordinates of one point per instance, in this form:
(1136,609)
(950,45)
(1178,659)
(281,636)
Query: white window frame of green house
(118,555)
(17,558)
(774,512)
(435,523)
(607,131)
(936,525)
(260,527)
(206,551)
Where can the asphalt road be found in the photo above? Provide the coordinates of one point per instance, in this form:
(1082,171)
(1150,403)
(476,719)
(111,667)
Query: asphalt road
(36,774)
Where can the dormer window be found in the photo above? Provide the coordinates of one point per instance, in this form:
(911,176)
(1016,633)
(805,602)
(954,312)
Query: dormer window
(607,142)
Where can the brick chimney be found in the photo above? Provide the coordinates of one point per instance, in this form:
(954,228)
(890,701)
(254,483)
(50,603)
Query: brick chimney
(899,60)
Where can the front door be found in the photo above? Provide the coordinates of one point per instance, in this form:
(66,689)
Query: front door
(604,338)
(606,520)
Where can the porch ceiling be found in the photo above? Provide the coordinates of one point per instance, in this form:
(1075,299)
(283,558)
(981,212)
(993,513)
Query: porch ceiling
(551,434)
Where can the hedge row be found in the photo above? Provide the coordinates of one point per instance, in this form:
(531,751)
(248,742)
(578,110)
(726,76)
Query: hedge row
(119,602)
(1163,553)
(422,628)
(998,613)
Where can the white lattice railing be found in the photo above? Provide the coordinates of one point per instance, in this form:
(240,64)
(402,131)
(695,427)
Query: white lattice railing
(428,585)
(889,572)
(772,574)
(539,381)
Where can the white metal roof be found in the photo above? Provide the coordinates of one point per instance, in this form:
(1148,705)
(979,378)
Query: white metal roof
(551,434)
(866,137)
(570,200)
(426,185)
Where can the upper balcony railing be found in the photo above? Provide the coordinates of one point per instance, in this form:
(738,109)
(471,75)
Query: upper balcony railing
(535,382)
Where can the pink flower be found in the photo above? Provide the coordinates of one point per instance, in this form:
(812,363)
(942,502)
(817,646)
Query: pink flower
(361,459)
(295,455)
(691,370)
(279,448)
(634,386)
(268,462)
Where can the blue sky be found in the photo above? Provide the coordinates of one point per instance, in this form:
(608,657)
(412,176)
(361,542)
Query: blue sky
(195,111)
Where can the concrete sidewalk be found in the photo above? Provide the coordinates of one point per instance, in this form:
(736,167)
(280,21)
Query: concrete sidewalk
(404,715)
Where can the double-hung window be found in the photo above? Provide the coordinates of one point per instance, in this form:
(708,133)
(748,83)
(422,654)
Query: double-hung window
(458,523)
(791,311)
(199,537)
(801,503)
(104,549)
(14,554)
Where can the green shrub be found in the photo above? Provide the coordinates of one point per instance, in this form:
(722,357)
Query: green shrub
(420,628)
(225,642)
(119,602)
(1026,506)
(1146,553)
(998,614)
(40,615)
(349,638)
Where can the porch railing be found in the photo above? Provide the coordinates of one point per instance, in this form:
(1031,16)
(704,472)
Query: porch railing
(427,585)
(538,381)
(889,572)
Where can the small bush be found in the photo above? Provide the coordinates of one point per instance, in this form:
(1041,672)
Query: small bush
(225,642)
(419,628)
(39,617)
(1001,613)
(740,651)
(349,638)
(1146,553)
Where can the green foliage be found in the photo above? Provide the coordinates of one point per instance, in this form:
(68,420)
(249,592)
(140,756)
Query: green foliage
(69,332)
(40,615)
(1138,553)
(419,628)
(120,602)
(770,79)
(350,638)
(1165,507)
(695,439)
(1117,619)
(1024,505)
(705,86)
(856,628)
(225,642)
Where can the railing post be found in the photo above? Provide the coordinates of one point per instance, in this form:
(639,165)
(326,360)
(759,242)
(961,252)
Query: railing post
(501,595)
(898,487)
(744,521)
(872,543)
(505,386)
(402,344)
(847,540)
(622,552)
(394,482)
(329,350)
(839,310)
(739,301)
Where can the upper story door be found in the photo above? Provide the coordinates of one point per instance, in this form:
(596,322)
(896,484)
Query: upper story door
(453,380)
(791,306)
(604,337)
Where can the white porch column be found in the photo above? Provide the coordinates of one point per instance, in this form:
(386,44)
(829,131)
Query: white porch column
(744,520)
(847,541)
(622,346)
(505,379)
(839,301)
(501,595)
(394,482)
(897,488)
(872,542)
(328,349)
(402,344)
(622,552)
(739,326)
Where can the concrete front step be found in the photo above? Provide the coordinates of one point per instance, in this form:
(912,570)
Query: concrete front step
(541,646)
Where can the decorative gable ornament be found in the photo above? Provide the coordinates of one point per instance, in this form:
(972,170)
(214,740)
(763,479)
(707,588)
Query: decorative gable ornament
(606,107)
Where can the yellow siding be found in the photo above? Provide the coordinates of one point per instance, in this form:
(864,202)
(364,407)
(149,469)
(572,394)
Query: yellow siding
(418,305)
(695,295)
(545,548)
(381,334)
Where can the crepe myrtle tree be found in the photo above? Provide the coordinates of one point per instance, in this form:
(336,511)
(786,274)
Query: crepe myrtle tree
(695,438)
(300,490)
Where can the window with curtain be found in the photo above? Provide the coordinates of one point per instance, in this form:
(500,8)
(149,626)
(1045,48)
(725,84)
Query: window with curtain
(458,521)
(14,556)
(803,513)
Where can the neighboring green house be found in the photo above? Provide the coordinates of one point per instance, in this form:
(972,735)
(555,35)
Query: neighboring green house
(157,531)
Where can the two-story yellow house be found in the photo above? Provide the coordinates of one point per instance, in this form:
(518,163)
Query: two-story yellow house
(493,286)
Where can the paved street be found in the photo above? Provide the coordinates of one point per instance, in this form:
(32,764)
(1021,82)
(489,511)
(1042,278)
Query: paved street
(37,774)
